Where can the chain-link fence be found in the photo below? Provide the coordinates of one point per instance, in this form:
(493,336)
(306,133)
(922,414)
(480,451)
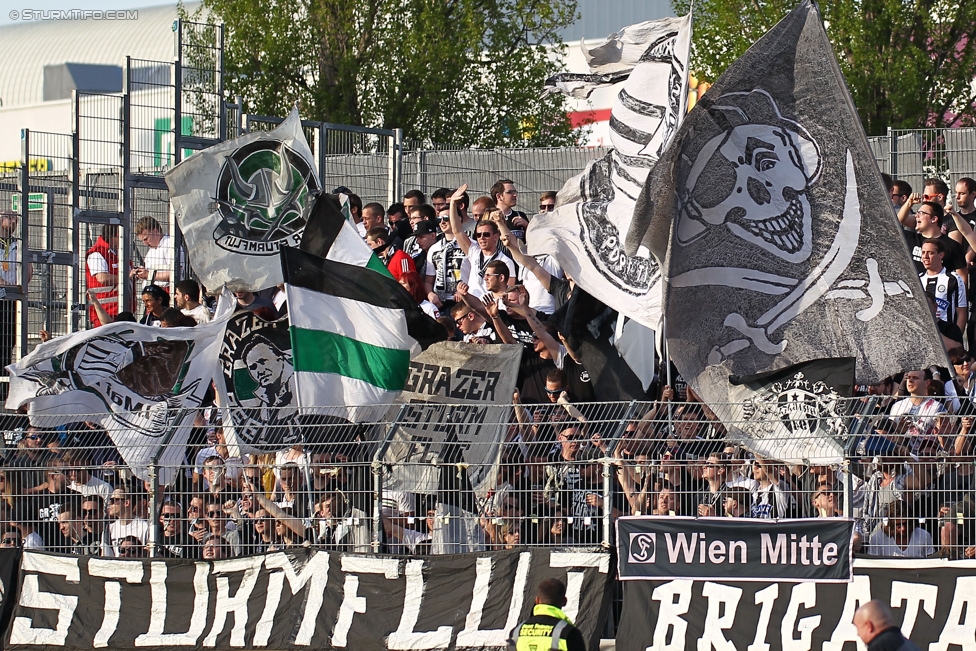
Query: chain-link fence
(913,155)
(544,475)
(534,170)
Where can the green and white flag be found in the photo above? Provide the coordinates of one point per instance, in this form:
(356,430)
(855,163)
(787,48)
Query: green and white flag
(352,332)
(239,202)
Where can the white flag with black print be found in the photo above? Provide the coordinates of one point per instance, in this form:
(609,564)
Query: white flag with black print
(586,232)
(774,230)
(143,384)
(238,203)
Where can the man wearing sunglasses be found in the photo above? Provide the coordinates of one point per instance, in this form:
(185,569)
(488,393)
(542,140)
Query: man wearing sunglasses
(927,227)
(547,202)
(900,191)
(174,542)
(446,258)
(125,521)
(488,250)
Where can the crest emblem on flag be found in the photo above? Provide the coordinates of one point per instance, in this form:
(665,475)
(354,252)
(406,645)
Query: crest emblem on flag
(256,365)
(803,407)
(265,191)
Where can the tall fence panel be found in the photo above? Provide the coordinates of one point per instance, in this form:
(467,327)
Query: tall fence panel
(533,170)
(913,155)
(50,236)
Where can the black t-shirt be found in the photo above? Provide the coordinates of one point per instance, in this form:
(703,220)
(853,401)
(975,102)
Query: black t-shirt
(559,288)
(517,231)
(532,378)
(578,378)
(949,330)
(955,257)
(45,510)
(179,546)
(969,217)
(520,329)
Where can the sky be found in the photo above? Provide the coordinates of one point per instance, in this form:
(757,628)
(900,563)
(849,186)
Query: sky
(15,8)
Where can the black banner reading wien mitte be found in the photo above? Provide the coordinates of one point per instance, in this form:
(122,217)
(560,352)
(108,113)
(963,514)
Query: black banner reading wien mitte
(933,601)
(297,599)
(743,549)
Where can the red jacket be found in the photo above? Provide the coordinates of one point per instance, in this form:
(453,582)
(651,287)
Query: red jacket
(399,264)
(108,297)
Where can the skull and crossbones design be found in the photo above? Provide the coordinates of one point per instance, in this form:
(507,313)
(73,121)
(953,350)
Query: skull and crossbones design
(753,179)
(757,176)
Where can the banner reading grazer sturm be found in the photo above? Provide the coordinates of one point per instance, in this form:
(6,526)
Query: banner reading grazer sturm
(141,383)
(239,202)
(453,451)
(744,549)
(470,379)
(774,229)
(933,601)
(299,599)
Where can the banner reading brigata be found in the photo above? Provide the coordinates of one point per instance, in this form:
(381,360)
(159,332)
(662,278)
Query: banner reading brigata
(662,547)
(298,599)
(933,602)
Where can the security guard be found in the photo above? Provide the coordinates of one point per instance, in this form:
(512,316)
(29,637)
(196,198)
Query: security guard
(549,629)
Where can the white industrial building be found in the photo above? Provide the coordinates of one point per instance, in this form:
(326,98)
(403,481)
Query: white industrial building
(44,61)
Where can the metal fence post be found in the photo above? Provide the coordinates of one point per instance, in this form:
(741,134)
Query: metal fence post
(396,167)
(607,461)
(421,169)
(154,508)
(377,469)
(892,153)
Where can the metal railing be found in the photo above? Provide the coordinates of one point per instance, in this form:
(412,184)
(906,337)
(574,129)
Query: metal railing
(551,477)
(914,155)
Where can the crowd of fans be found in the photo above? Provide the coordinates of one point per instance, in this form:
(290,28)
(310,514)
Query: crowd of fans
(569,462)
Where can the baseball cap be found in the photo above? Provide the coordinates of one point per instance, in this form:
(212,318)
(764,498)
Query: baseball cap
(423,228)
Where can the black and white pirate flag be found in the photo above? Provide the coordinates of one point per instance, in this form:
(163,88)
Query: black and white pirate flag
(774,230)
(586,232)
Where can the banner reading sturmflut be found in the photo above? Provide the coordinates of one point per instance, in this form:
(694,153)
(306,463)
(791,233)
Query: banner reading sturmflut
(300,599)
(238,203)
(743,549)
(774,229)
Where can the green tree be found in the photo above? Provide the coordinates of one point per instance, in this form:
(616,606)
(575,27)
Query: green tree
(907,64)
(466,72)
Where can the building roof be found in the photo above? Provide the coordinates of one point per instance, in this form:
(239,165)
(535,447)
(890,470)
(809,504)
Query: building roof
(25,48)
